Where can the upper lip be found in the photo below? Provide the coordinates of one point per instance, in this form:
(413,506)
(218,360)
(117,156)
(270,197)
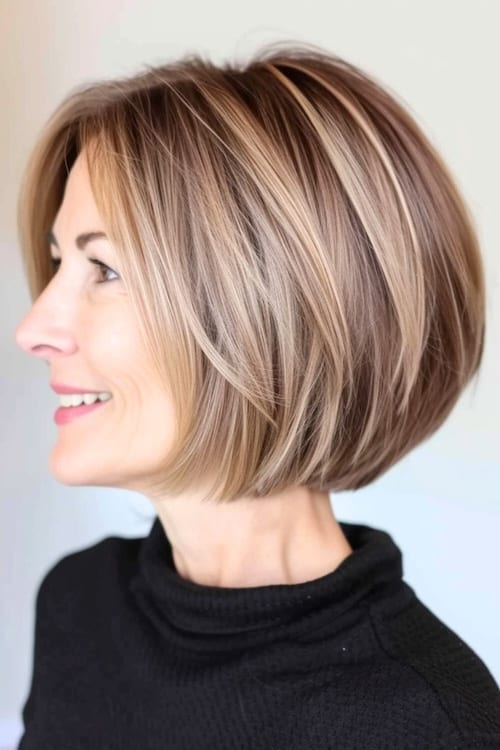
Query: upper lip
(62,388)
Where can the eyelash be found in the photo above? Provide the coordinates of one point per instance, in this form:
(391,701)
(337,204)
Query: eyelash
(102,266)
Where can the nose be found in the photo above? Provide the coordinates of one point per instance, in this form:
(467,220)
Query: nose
(45,330)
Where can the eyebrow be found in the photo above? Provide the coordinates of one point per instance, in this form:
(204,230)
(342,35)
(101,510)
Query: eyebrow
(81,241)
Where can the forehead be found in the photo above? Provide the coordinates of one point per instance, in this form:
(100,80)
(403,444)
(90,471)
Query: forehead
(78,204)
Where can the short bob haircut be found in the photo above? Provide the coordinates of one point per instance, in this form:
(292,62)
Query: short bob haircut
(305,272)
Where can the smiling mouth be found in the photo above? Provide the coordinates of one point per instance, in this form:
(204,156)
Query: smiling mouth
(65,414)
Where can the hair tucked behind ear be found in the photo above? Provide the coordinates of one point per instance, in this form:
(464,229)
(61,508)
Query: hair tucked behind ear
(305,272)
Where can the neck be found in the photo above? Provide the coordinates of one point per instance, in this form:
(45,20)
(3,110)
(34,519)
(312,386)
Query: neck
(287,538)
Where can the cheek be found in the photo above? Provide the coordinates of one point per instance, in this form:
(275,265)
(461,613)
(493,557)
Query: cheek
(114,343)
(120,357)
(122,364)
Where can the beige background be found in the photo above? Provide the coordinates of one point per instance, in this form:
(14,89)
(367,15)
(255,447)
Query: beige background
(441,503)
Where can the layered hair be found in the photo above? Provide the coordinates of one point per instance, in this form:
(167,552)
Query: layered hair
(304,269)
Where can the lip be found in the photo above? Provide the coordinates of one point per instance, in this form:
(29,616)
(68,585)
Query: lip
(67,389)
(63,415)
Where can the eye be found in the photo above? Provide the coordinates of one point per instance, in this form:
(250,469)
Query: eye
(103,267)
(56,262)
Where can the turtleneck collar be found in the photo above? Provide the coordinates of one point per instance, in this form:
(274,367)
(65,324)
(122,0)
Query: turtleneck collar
(196,615)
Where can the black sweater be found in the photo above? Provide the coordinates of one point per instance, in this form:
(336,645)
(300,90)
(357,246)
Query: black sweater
(129,655)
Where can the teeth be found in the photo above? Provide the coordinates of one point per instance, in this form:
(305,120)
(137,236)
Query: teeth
(83,398)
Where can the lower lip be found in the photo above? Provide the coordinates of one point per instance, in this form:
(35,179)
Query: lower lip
(67,413)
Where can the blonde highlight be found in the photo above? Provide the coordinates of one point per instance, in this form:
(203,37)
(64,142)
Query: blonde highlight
(306,274)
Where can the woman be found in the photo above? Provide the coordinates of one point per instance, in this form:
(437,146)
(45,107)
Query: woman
(269,276)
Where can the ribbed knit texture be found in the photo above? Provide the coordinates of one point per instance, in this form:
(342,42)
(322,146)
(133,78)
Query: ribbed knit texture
(130,656)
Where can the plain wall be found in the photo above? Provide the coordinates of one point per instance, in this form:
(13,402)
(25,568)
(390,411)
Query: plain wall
(441,503)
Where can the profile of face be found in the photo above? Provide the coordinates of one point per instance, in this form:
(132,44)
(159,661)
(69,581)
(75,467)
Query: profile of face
(83,326)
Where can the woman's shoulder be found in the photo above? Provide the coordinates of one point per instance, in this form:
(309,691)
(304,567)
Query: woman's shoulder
(415,637)
(395,668)
(94,574)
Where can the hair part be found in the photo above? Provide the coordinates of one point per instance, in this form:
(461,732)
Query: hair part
(306,275)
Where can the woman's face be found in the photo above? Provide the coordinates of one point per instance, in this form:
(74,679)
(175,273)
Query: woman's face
(83,326)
